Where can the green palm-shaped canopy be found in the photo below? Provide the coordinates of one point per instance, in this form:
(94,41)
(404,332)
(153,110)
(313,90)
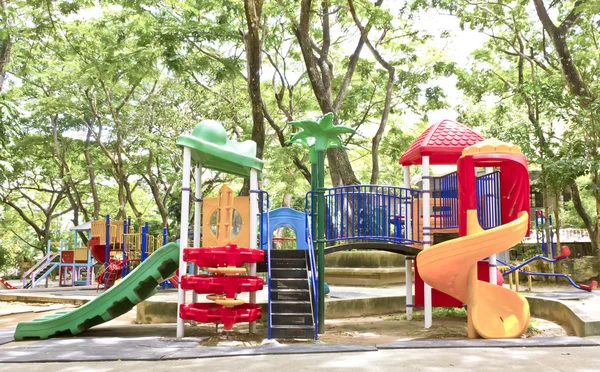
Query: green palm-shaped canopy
(321,135)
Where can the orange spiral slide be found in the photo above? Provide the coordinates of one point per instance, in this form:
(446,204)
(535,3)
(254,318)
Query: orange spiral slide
(451,267)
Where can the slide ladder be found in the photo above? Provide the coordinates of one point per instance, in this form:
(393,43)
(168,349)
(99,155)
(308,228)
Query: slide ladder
(41,270)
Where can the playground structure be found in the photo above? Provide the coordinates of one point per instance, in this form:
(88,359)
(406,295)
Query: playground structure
(452,223)
(225,263)
(524,269)
(71,259)
(208,147)
(124,247)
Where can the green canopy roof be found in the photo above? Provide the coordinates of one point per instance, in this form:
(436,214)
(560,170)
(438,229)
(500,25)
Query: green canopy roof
(211,148)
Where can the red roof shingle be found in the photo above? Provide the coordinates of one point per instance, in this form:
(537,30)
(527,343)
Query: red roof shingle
(443,142)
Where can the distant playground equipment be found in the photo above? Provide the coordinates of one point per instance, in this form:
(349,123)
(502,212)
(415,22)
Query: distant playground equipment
(547,255)
(540,223)
(5,285)
(71,259)
(524,269)
(124,247)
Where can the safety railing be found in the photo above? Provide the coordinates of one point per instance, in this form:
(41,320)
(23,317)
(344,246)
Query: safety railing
(369,212)
(313,271)
(444,201)
(38,267)
(488,200)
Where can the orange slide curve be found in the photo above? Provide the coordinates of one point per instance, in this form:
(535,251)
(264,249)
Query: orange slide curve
(451,267)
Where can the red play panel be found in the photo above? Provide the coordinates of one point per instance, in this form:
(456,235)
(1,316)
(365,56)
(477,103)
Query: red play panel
(218,314)
(229,285)
(229,255)
(440,299)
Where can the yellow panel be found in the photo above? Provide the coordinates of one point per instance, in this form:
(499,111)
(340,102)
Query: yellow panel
(225,215)
(241,204)
(81,254)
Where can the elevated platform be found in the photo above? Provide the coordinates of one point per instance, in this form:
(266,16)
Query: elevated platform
(407,250)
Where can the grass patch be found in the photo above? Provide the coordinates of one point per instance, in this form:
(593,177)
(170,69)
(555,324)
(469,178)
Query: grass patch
(437,312)
(534,326)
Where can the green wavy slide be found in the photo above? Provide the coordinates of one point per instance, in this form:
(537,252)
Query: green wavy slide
(139,285)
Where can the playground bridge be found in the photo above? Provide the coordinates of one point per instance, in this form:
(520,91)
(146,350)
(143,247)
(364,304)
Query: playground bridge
(390,218)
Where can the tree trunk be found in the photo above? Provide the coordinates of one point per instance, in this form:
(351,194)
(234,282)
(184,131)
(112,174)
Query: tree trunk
(91,173)
(587,220)
(253,10)
(5,50)
(557,222)
(320,76)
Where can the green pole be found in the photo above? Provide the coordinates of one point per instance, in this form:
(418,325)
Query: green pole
(314,185)
(321,236)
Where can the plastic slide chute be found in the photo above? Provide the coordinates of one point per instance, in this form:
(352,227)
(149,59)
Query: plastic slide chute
(451,267)
(5,285)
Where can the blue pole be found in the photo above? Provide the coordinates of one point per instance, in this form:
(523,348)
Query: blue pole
(164,236)
(107,243)
(124,253)
(143,244)
(551,236)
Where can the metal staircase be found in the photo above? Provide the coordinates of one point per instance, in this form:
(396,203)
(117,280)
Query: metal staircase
(292,314)
(41,270)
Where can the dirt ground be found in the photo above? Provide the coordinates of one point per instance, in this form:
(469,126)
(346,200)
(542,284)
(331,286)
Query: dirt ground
(364,330)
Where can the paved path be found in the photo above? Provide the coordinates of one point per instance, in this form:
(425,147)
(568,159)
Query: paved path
(584,359)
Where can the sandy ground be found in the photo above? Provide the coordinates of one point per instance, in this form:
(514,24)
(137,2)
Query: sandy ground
(364,330)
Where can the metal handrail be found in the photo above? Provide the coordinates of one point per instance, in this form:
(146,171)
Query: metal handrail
(34,267)
(42,263)
(313,271)
(56,264)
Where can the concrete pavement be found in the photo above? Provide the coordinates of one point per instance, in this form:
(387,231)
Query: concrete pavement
(568,359)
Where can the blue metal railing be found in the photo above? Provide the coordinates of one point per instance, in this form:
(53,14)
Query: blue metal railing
(444,201)
(368,212)
(313,269)
(488,200)
(265,241)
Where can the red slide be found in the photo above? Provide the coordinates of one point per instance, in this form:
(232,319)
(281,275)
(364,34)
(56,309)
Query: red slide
(98,251)
(4,283)
(175,279)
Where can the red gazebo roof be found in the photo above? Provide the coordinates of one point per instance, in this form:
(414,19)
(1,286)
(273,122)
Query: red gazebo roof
(443,142)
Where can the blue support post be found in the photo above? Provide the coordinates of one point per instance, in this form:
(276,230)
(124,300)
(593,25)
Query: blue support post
(107,248)
(125,268)
(143,243)
(551,230)
(164,235)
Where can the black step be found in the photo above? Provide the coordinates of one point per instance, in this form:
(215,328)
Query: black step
(297,331)
(287,253)
(289,273)
(288,262)
(290,306)
(289,283)
(292,319)
(290,294)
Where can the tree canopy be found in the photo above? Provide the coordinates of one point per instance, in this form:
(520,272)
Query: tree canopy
(93,96)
